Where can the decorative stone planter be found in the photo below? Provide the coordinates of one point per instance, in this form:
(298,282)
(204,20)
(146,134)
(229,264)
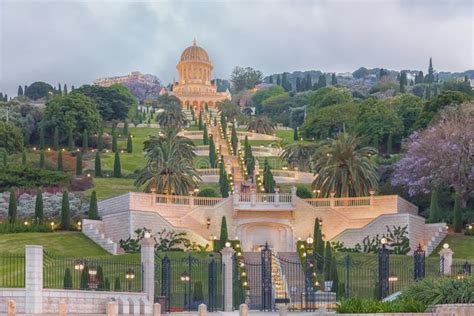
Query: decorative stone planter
(453,309)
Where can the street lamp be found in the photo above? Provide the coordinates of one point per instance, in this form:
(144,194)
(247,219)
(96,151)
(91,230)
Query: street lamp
(309,240)
(185,278)
(392,278)
(93,278)
(129,276)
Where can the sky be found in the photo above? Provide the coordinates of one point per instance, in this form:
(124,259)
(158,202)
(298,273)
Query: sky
(75,42)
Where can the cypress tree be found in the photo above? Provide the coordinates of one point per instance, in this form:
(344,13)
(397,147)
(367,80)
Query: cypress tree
(278,81)
(457,216)
(224,237)
(41,137)
(56,139)
(327,261)
(114,142)
(39,207)
(65,212)
(25,89)
(322,81)
(107,284)
(129,144)
(125,127)
(100,142)
(212,153)
(59,89)
(23,158)
(270,79)
(93,209)
(97,165)
(67,282)
(114,127)
(117,285)
(85,140)
(79,164)
(70,141)
(389,144)
(205,135)
(234,139)
(117,167)
(248,157)
(60,161)
(12,207)
(41,160)
(65,89)
(334,275)
(318,245)
(4,158)
(298,84)
(435,214)
(193,115)
(84,281)
(430,76)
(20,90)
(100,279)
(200,126)
(295,133)
(223,181)
(333,79)
(268,180)
(309,84)
(224,125)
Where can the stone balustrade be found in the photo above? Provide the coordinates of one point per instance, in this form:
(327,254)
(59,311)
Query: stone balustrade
(208,172)
(190,200)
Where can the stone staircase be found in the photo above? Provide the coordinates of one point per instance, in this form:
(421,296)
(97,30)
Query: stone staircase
(438,233)
(94,230)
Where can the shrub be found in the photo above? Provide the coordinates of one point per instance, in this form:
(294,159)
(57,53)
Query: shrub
(10,138)
(97,165)
(7,228)
(67,283)
(303,192)
(117,285)
(198,295)
(117,168)
(81,184)
(93,211)
(359,306)
(207,192)
(442,291)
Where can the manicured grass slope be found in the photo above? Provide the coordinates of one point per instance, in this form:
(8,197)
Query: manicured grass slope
(462,246)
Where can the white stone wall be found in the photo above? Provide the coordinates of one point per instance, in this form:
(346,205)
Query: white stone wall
(18,295)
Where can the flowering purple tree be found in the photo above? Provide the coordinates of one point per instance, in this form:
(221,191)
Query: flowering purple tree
(442,155)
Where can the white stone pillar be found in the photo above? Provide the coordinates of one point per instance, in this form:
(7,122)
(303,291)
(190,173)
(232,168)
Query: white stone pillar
(112,308)
(446,259)
(34,279)
(227,254)
(62,308)
(253,197)
(202,310)
(11,308)
(156,309)
(148,264)
(293,195)
(243,310)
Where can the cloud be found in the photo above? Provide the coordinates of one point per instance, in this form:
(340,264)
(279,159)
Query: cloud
(75,42)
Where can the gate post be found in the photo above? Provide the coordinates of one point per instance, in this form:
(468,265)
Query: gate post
(148,267)
(227,254)
(34,279)
(384,262)
(446,259)
(419,261)
(266,278)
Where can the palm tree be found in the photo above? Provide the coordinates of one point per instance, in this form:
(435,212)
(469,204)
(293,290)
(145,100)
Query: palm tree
(169,168)
(297,154)
(172,116)
(262,125)
(344,167)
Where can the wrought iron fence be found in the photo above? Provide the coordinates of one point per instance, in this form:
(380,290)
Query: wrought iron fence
(183,281)
(101,274)
(12,270)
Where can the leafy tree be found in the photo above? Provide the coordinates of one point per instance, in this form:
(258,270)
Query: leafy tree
(74,112)
(296,154)
(303,192)
(129,144)
(408,108)
(85,140)
(97,165)
(453,134)
(12,207)
(278,108)
(79,164)
(60,161)
(207,192)
(173,116)
(333,79)
(261,125)
(344,166)
(4,158)
(329,96)
(23,157)
(435,212)
(93,209)
(41,159)
(456,85)
(200,126)
(433,106)
(224,237)
(11,138)
(38,90)
(67,281)
(205,135)
(245,78)
(70,141)
(223,181)
(268,180)
(457,217)
(39,207)
(285,83)
(234,140)
(65,212)
(117,167)
(229,109)
(321,82)
(169,164)
(308,83)
(264,94)
(212,153)
(112,102)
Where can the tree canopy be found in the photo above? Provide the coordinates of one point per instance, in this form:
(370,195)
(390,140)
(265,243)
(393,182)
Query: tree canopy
(329,96)
(245,78)
(38,90)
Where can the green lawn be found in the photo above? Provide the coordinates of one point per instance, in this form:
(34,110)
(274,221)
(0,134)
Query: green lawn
(462,246)
(286,135)
(110,187)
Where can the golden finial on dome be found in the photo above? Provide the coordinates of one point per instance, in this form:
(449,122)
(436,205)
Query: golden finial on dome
(194,42)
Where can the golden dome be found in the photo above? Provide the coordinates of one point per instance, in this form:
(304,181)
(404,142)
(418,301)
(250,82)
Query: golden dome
(195,53)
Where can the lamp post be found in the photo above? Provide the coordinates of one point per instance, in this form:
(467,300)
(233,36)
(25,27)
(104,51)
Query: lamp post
(93,278)
(79,266)
(129,276)
(384,261)
(185,278)
(392,279)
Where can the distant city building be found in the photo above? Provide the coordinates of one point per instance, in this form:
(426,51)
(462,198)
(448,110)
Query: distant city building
(194,87)
(134,76)
(471,82)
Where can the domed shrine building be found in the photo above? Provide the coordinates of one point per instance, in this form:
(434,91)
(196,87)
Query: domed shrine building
(194,87)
